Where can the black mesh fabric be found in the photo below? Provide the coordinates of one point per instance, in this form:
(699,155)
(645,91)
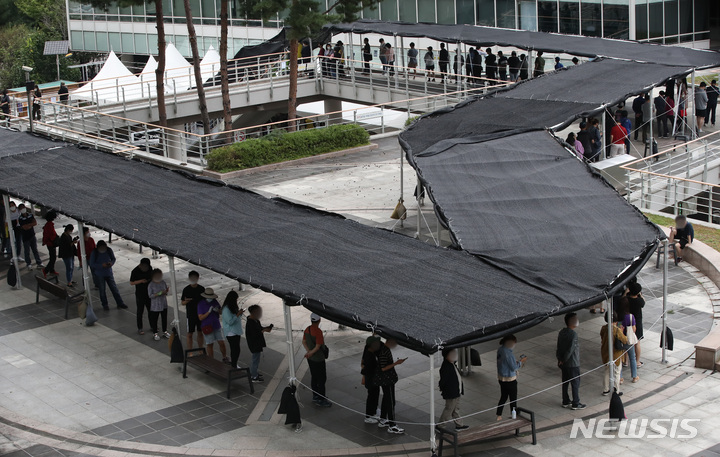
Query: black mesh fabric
(12,143)
(527,205)
(600,81)
(540,41)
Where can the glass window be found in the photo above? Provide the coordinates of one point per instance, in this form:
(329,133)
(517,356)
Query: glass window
(408,12)
(102,41)
(426,10)
(465,11)
(485,13)
(615,16)
(686,17)
(128,43)
(445,12)
(569,17)
(76,39)
(547,16)
(152,44)
(208,12)
(114,41)
(388,10)
(590,13)
(505,14)
(641,29)
(182,44)
(371,13)
(88,41)
(528,16)
(702,18)
(671,18)
(179,11)
(141,43)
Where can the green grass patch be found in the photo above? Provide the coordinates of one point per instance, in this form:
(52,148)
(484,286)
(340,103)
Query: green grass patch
(281,146)
(707,235)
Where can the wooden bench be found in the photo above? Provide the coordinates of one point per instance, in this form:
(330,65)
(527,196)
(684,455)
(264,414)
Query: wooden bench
(57,290)
(474,434)
(199,359)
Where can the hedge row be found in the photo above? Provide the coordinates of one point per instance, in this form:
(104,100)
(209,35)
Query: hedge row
(281,147)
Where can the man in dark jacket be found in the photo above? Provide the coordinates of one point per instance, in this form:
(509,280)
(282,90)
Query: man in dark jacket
(568,357)
(637,109)
(101,261)
(451,387)
(443,61)
(583,136)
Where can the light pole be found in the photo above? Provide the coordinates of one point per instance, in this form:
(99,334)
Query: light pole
(29,86)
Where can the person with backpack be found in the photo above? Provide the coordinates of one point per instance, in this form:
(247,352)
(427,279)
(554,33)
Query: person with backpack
(316,353)
(51,240)
(66,251)
(451,389)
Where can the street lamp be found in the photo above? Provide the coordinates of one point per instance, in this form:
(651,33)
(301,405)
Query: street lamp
(29,86)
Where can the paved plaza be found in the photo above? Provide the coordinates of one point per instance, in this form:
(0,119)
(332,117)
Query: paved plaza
(69,390)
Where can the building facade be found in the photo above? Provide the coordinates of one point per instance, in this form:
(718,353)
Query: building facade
(131,30)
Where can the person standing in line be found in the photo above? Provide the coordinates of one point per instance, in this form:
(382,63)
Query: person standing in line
(568,357)
(490,66)
(681,235)
(63,92)
(255,337)
(458,65)
(386,377)
(5,105)
(627,125)
(637,104)
(629,324)
(502,62)
(51,240)
(636,305)
(575,61)
(37,104)
(661,114)
(368,369)
(390,56)
(524,68)
(443,61)
(209,314)
(141,276)
(89,248)
(713,91)
(618,134)
(451,389)
(158,291)
(14,225)
(367,56)
(102,260)
(429,59)
(558,65)
(191,296)
(539,68)
(583,137)
(514,64)
(576,145)
(314,343)
(507,368)
(383,55)
(232,325)
(27,223)
(412,55)
(617,354)
(66,251)
(701,103)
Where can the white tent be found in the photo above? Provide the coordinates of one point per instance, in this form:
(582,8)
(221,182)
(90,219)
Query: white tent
(146,79)
(106,86)
(210,64)
(177,71)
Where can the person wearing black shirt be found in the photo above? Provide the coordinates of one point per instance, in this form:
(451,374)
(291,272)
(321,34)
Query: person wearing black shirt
(386,377)
(681,235)
(443,60)
(255,337)
(524,72)
(502,65)
(27,224)
(140,277)
(713,91)
(63,93)
(514,63)
(637,109)
(583,136)
(637,303)
(367,56)
(490,66)
(191,296)
(369,367)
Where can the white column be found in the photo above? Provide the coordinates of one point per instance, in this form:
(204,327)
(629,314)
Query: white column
(6,202)
(666,245)
(631,20)
(290,346)
(176,298)
(432,402)
(84,263)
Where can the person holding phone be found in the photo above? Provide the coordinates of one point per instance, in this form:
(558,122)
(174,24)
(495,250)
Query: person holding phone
(451,388)
(507,368)
(255,337)
(232,324)
(140,278)
(681,235)
(191,296)
(158,291)
(386,377)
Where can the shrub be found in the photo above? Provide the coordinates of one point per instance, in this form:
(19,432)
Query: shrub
(281,147)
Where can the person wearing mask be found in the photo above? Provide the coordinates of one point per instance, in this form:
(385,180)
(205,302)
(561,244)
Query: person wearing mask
(102,260)
(367,56)
(412,56)
(583,136)
(451,389)
(490,65)
(383,55)
(514,64)
(141,276)
(507,368)
(701,102)
(66,251)
(314,344)
(13,219)
(661,114)
(390,56)
(89,248)
(443,61)
(368,369)
(232,325)
(27,223)
(51,240)
(386,377)
(37,104)
(539,68)
(209,315)
(524,68)
(567,353)
(158,291)
(636,304)
(558,65)
(617,334)
(429,59)
(63,92)
(191,296)
(713,91)
(681,235)
(255,337)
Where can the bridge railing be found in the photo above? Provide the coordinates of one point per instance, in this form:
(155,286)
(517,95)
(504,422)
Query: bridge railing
(681,179)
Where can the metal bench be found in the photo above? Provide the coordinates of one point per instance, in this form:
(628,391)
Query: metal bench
(475,434)
(199,359)
(57,290)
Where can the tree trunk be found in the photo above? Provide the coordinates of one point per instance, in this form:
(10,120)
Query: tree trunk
(196,64)
(224,84)
(292,90)
(160,72)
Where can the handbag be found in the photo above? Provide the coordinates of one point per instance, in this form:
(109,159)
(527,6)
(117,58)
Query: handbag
(617,344)
(400,212)
(631,336)
(385,378)
(12,275)
(325,350)
(90,317)
(207,329)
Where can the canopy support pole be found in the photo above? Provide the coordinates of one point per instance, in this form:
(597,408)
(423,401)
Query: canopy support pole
(666,245)
(84,263)
(432,402)
(11,232)
(611,368)
(693,124)
(402,183)
(418,189)
(173,286)
(290,347)
(531,70)
(652,117)
(394,69)
(459,72)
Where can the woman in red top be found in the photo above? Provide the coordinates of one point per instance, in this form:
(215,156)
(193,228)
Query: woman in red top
(50,239)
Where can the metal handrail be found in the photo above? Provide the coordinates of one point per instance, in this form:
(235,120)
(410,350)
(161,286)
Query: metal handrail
(628,165)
